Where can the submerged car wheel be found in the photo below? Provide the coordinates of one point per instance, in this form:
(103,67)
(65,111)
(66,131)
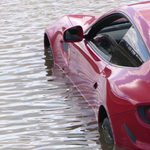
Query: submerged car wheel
(107,131)
(49,55)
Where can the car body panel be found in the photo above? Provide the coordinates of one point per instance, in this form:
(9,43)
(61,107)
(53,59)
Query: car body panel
(87,74)
(55,32)
(138,128)
(120,90)
(83,20)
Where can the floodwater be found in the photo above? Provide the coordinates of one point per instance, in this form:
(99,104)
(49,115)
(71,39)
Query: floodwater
(39,107)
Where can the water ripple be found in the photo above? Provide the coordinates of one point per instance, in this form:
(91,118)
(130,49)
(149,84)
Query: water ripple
(40,108)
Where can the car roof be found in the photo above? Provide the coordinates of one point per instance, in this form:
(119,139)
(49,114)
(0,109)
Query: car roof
(143,9)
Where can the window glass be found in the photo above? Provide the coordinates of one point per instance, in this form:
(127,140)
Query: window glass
(131,50)
(118,42)
(136,45)
(105,45)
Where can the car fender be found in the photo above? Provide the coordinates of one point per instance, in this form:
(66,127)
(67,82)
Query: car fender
(57,28)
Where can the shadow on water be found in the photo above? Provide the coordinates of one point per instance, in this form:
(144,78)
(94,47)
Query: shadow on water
(82,129)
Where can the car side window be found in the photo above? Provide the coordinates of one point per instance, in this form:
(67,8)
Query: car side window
(116,40)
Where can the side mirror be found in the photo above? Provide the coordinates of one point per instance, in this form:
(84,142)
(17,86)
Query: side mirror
(73,34)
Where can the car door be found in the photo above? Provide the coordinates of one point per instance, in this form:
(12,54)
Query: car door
(86,71)
(89,58)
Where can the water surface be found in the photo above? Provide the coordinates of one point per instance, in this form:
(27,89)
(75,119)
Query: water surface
(39,107)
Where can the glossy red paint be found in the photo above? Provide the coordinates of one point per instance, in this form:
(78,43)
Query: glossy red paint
(120,90)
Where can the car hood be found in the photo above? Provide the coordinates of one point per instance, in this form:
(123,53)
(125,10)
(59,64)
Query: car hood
(83,20)
(132,84)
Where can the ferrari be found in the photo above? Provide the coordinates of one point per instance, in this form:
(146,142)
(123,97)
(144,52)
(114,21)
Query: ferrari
(108,59)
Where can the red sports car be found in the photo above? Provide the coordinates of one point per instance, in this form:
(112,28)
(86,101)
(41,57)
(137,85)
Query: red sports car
(108,60)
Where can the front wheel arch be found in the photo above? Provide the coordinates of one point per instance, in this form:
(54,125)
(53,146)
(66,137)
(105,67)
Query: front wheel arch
(102,114)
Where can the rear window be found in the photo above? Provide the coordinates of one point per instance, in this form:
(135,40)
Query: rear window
(116,40)
(131,50)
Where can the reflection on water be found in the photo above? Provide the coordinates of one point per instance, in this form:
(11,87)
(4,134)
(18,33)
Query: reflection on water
(39,107)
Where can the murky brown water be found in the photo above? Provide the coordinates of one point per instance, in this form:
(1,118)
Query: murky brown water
(39,107)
